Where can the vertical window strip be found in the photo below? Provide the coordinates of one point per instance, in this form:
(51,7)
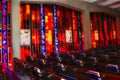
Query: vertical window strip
(43,42)
(56,29)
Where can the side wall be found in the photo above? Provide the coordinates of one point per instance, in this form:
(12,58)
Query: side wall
(84,7)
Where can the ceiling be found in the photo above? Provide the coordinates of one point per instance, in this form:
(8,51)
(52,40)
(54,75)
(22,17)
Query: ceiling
(115,4)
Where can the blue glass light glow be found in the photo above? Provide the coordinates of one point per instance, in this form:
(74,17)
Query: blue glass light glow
(56,29)
(4,33)
(80,33)
(43,42)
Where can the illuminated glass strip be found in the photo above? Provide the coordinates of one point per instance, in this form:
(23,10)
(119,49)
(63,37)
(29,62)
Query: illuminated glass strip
(80,33)
(56,29)
(43,43)
(4,33)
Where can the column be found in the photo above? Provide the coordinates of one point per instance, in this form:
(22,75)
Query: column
(15,7)
(86,29)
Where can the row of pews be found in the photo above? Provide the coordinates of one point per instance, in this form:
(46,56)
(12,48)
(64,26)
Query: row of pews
(94,64)
(34,70)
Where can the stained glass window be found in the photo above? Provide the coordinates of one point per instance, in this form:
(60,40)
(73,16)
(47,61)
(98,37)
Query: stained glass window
(103,30)
(53,29)
(5,34)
